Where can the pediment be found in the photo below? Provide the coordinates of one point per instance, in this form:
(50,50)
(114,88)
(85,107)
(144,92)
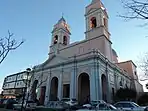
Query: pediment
(54,60)
(91,10)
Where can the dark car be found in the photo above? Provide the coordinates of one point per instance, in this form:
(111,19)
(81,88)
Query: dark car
(8,103)
(1,103)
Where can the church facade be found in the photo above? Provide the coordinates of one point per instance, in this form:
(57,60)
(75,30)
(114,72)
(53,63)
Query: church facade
(79,70)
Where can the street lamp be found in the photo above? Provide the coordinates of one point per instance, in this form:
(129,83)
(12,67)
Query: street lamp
(28,70)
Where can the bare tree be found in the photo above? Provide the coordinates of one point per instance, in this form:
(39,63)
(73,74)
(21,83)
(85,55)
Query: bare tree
(138,9)
(135,9)
(31,85)
(8,44)
(143,65)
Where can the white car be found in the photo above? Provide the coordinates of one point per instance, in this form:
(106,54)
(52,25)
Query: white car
(71,102)
(128,106)
(93,104)
(106,106)
(100,106)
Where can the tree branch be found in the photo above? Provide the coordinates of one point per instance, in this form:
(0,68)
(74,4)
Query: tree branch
(8,44)
(135,9)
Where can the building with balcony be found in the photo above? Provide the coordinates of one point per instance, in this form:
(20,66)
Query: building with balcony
(14,84)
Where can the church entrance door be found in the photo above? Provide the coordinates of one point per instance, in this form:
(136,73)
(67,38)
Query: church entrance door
(104,87)
(54,89)
(83,88)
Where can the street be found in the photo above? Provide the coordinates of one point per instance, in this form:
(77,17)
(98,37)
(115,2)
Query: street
(2,109)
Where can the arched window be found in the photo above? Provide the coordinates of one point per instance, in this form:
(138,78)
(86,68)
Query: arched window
(56,39)
(65,40)
(93,22)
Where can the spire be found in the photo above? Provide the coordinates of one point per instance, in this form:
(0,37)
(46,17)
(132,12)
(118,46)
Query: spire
(94,1)
(101,5)
(62,19)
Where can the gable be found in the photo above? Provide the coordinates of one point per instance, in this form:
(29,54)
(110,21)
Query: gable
(91,10)
(54,60)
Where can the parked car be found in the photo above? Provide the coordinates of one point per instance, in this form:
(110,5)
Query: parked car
(72,103)
(95,103)
(106,106)
(1,103)
(100,106)
(8,103)
(27,105)
(128,106)
(146,108)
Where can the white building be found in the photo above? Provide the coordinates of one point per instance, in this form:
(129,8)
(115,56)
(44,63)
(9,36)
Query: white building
(13,84)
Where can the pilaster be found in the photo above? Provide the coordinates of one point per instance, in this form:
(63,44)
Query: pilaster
(60,87)
(73,80)
(73,84)
(108,83)
(95,84)
(47,95)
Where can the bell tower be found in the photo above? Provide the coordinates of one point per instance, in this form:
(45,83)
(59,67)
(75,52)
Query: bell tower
(96,20)
(60,35)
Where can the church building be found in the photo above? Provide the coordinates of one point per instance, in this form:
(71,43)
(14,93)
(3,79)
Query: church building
(88,68)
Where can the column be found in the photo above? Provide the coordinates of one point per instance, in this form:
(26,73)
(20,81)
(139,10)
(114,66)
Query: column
(92,85)
(108,84)
(99,84)
(108,89)
(115,81)
(60,87)
(47,90)
(73,82)
(95,84)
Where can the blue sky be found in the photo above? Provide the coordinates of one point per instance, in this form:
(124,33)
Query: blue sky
(33,21)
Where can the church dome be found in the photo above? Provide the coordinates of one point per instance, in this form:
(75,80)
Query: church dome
(114,53)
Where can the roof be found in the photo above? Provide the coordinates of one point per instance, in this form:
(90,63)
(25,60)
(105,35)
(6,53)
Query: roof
(114,52)
(93,1)
(62,20)
(15,74)
(127,62)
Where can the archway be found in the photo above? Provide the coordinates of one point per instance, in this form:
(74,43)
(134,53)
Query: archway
(42,95)
(83,88)
(104,87)
(65,40)
(93,22)
(56,39)
(33,92)
(54,89)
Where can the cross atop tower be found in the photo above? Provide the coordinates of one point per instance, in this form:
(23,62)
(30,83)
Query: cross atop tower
(93,1)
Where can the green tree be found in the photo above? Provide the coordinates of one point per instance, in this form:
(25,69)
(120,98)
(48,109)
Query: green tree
(125,94)
(143,99)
